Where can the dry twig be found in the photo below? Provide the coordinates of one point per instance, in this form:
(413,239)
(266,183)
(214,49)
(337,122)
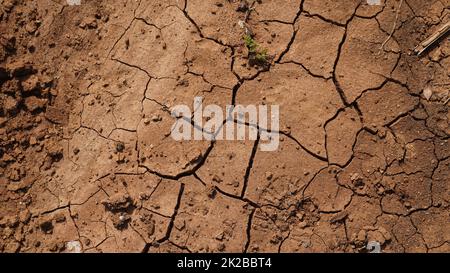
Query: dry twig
(394,26)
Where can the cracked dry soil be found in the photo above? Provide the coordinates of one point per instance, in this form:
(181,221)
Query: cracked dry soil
(87,164)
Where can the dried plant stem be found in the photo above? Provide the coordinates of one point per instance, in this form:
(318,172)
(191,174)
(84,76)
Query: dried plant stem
(394,26)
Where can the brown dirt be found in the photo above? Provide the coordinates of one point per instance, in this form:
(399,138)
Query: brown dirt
(85,155)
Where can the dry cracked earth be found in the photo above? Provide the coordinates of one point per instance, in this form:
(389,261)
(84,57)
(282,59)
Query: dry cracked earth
(87,163)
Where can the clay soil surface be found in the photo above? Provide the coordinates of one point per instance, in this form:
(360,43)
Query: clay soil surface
(87,163)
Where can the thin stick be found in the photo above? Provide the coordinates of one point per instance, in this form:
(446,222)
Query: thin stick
(394,26)
(423,46)
(249,10)
(445,103)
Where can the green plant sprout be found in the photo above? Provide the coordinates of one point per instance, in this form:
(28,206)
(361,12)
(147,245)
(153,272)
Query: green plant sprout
(262,56)
(256,55)
(250,43)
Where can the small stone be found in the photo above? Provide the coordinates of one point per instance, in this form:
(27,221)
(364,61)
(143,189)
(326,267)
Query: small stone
(33,141)
(362,235)
(46,226)
(427,93)
(34,103)
(121,222)
(73,247)
(156,118)
(60,218)
(212,193)
(10,105)
(120,147)
(146,121)
(118,202)
(30,84)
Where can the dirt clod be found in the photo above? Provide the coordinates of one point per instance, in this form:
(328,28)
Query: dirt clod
(118,202)
(46,226)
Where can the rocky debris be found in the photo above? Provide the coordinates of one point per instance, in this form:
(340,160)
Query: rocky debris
(23,97)
(22,85)
(15,172)
(120,205)
(370,234)
(10,106)
(89,23)
(33,104)
(31,84)
(73,247)
(22,185)
(121,220)
(54,155)
(118,202)
(358,183)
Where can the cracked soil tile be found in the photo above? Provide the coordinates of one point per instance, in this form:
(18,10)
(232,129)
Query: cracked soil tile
(361,64)
(306,102)
(309,48)
(219,224)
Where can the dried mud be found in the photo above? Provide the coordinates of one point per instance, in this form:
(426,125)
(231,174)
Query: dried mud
(87,164)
